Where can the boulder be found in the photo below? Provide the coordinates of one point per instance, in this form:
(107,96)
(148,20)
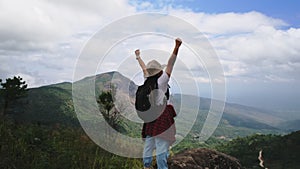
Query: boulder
(203,158)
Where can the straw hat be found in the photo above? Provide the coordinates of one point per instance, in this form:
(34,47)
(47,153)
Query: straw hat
(153,68)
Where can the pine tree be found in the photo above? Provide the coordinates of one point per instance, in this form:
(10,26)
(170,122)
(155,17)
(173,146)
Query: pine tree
(109,112)
(12,90)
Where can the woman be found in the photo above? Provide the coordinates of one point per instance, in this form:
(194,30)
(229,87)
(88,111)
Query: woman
(160,133)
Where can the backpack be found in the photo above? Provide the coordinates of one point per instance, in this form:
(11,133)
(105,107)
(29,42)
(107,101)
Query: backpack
(145,105)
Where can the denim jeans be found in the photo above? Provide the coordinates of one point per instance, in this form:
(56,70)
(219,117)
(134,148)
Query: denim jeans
(162,152)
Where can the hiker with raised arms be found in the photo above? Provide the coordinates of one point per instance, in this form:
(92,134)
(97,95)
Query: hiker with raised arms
(158,133)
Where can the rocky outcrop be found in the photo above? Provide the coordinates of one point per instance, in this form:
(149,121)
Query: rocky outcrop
(203,158)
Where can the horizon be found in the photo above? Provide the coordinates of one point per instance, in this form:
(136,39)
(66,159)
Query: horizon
(256,43)
(172,93)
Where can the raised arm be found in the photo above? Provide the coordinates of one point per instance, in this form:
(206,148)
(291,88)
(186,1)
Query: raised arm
(173,57)
(141,62)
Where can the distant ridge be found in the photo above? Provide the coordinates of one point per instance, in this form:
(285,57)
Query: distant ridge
(53,104)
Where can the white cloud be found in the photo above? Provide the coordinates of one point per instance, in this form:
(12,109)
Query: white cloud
(41,21)
(234,68)
(45,37)
(228,23)
(264,51)
(250,45)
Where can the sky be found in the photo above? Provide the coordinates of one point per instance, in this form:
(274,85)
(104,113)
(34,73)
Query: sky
(256,41)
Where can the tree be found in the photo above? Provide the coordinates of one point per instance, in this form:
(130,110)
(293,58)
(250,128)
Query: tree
(109,112)
(12,90)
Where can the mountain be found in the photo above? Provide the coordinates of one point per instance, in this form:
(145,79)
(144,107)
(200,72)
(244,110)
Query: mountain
(276,151)
(291,125)
(53,104)
(237,120)
(47,105)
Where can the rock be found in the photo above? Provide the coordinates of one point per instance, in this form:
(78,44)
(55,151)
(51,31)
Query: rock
(203,158)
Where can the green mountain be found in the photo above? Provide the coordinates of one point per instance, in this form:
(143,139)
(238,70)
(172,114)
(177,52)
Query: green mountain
(237,120)
(53,104)
(41,137)
(47,105)
(277,151)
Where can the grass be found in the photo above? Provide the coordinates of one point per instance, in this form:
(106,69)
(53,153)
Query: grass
(52,147)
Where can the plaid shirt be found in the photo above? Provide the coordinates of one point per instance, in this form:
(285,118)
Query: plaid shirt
(163,126)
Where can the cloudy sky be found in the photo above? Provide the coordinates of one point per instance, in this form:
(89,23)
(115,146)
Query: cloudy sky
(257,42)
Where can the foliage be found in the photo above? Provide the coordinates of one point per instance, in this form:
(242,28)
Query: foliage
(52,147)
(278,151)
(12,90)
(110,114)
(190,142)
(48,105)
(53,104)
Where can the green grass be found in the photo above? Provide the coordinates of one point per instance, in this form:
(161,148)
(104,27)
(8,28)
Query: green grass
(38,147)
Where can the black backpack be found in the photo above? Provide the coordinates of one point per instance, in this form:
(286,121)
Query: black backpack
(144,100)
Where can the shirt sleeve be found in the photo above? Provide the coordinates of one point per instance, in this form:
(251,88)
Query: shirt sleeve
(163,81)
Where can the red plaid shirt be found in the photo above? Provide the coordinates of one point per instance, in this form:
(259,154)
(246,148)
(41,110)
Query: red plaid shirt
(163,126)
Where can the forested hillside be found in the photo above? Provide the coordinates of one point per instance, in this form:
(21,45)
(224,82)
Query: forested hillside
(53,104)
(278,152)
(41,130)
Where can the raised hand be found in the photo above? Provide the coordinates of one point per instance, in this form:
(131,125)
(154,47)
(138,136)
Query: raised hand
(173,56)
(137,53)
(178,42)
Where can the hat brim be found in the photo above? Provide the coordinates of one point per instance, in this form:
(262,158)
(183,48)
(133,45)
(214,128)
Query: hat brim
(153,72)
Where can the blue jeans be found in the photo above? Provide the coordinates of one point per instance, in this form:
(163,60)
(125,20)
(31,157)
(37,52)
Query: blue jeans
(162,152)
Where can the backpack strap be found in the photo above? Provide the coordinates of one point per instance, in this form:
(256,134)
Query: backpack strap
(155,85)
(168,92)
